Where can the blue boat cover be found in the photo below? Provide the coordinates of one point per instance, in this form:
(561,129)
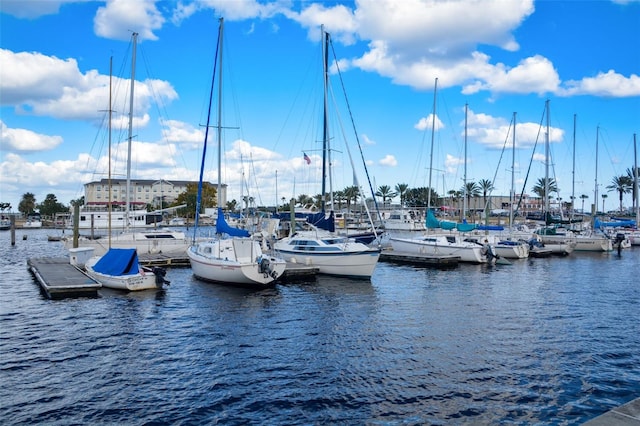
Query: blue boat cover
(615,223)
(319,220)
(222,227)
(117,262)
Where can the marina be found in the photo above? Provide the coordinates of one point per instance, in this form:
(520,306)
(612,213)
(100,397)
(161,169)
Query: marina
(540,341)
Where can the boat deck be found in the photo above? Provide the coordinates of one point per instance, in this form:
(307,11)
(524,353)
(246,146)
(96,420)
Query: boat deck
(58,278)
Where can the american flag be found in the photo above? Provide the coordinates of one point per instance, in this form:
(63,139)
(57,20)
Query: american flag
(306,158)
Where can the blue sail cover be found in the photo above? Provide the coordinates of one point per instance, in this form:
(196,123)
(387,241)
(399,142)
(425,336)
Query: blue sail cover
(615,223)
(117,262)
(222,227)
(319,220)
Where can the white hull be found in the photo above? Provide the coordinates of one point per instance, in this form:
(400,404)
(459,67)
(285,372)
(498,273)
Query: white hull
(332,254)
(581,243)
(507,248)
(144,280)
(32,224)
(440,245)
(171,243)
(356,265)
(234,261)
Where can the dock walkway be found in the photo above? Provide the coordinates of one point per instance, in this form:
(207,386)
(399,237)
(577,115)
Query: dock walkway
(58,278)
(627,414)
(441,261)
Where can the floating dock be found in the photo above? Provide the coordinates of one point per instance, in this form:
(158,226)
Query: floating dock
(59,278)
(297,271)
(434,260)
(627,414)
(159,259)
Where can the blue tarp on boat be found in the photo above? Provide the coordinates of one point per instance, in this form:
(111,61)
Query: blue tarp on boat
(319,220)
(222,227)
(117,261)
(615,224)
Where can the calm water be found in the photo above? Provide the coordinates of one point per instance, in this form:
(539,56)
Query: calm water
(542,341)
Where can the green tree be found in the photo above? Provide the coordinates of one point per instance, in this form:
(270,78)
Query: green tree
(385,193)
(622,185)
(634,175)
(27,204)
(583,197)
(419,197)
(485,186)
(539,188)
(50,206)
(304,200)
(190,198)
(351,193)
(471,190)
(401,189)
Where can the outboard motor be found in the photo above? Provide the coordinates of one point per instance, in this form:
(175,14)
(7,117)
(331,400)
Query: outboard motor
(160,274)
(618,241)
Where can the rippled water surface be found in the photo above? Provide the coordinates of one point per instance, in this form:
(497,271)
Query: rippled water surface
(541,341)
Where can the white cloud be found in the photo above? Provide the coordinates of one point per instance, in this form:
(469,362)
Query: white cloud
(366,140)
(609,84)
(118,18)
(24,140)
(32,9)
(426,123)
(48,86)
(388,161)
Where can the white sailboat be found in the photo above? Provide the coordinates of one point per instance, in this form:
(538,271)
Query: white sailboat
(233,257)
(153,241)
(119,268)
(433,243)
(331,253)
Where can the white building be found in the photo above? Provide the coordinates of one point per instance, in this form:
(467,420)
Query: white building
(158,193)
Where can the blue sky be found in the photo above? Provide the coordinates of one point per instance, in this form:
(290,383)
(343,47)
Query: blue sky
(498,57)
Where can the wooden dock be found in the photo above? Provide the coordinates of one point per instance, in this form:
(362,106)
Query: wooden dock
(58,278)
(162,260)
(297,271)
(627,414)
(433,260)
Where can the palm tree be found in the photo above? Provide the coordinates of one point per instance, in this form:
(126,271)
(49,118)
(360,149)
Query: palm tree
(385,192)
(623,185)
(351,193)
(454,195)
(471,189)
(401,189)
(486,186)
(583,197)
(634,174)
(539,188)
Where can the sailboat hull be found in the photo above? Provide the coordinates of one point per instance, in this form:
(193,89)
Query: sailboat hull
(238,261)
(441,245)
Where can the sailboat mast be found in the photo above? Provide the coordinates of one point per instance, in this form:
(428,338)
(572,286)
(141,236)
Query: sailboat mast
(546,164)
(464,179)
(109,150)
(433,129)
(595,191)
(512,195)
(130,137)
(635,180)
(573,170)
(325,119)
(219,190)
